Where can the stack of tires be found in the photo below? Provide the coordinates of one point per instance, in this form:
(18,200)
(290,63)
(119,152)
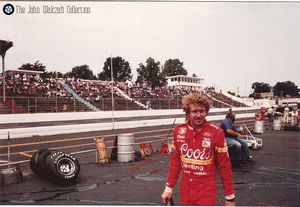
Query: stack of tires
(58,166)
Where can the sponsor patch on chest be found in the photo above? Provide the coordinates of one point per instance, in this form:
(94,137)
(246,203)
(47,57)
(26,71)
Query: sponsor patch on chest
(206,142)
(180,136)
(182,130)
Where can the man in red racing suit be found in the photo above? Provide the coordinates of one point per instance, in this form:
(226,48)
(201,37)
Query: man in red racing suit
(198,151)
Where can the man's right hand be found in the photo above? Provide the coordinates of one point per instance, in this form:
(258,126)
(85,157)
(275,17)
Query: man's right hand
(166,197)
(241,136)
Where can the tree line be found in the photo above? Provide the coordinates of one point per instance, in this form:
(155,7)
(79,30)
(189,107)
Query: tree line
(280,89)
(153,74)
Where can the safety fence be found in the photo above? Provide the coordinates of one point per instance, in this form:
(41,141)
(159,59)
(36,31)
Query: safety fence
(61,104)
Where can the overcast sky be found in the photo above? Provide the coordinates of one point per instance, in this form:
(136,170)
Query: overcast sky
(229,44)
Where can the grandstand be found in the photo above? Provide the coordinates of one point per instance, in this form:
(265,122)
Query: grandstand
(31,93)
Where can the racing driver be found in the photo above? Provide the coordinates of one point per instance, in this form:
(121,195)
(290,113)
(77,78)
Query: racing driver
(199,148)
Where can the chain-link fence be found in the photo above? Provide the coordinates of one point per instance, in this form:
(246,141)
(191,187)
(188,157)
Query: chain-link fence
(60,104)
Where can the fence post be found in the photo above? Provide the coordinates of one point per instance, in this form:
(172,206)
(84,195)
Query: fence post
(8,149)
(159,103)
(36,105)
(13,104)
(28,108)
(74,104)
(102,100)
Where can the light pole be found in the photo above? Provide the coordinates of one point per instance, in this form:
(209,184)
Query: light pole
(4,46)
(112,91)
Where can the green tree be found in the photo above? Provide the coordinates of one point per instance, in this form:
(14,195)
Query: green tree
(37,66)
(172,67)
(231,93)
(121,70)
(260,87)
(287,88)
(82,72)
(150,73)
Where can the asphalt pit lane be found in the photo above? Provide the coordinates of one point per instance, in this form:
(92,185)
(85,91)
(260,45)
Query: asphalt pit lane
(20,202)
(28,198)
(149,177)
(147,161)
(135,169)
(90,187)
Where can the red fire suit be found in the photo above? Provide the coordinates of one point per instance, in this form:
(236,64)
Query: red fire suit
(197,154)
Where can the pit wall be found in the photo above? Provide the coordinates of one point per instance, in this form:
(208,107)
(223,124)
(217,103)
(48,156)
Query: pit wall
(75,128)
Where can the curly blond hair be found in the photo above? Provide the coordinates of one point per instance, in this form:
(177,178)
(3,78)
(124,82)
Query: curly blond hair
(195,98)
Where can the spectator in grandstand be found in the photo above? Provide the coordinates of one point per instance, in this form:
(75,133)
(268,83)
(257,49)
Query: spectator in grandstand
(234,137)
(65,107)
(148,104)
(55,109)
(199,148)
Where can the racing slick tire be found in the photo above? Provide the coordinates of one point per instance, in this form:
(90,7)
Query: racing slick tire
(34,160)
(138,156)
(63,167)
(41,164)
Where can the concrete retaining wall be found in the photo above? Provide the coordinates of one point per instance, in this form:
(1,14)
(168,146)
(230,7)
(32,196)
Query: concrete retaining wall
(66,129)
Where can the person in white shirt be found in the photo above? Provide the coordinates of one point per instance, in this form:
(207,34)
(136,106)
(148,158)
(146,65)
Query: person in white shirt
(286,114)
(270,113)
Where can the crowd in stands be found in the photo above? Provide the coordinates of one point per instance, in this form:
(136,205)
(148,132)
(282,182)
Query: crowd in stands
(143,91)
(90,90)
(33,85)
(22,84)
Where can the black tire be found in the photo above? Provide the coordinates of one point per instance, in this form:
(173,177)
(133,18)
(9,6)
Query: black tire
(63,167)
(137,156)
(34,159)
(42,169)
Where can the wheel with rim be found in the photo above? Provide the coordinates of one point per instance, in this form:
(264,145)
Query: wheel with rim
(63,167)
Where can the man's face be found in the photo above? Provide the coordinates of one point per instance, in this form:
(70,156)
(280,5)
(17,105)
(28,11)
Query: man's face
(197,115)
